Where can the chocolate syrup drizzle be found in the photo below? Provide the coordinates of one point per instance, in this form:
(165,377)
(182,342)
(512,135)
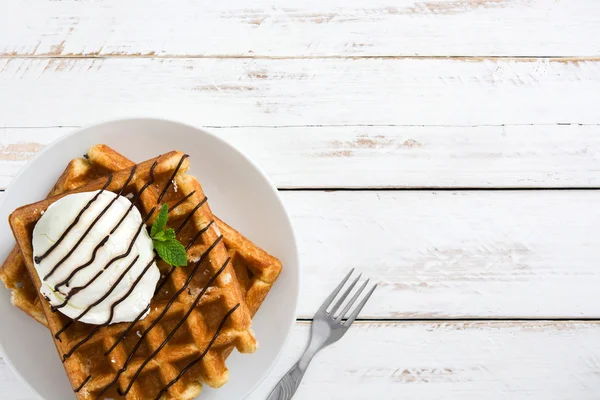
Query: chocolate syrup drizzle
(162,314)
(168,274)
(82,266)
(38,259)
(197,360)
(103,242)
(172,177)
(100,300)
(79,241)
(129,328)
(112,309)
(83,384)
(189,216)
(93,332)
(180,201)
(197,235)
(174,330)
(162,283)
(109,205)
(78,289)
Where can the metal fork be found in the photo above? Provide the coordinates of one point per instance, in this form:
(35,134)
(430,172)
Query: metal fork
(327,328)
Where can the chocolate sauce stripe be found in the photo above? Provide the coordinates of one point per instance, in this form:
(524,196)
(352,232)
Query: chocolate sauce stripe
(165,279)
(137,197)
(114,305)
(180,201)
(197,360)
(83,384)
(197,235)
(174,330)
(191,214)
(38,259)
(82,266)
(133,169)
(70,252)
(78,289)
(171,178)
(126,331)
(162,283)
(110,204)
(103,242)
(162,314)
(168,275)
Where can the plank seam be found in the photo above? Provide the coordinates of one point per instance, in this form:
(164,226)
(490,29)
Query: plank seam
(339,126)
(473,319)
(436,189)
(433,189)
(568,58)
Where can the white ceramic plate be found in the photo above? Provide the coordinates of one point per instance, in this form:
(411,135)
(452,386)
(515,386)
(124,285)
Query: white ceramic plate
(238,192)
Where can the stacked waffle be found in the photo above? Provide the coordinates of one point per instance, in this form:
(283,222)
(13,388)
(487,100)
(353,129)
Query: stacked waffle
(199,312)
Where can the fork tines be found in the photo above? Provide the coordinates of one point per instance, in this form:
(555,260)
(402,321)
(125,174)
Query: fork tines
(341,316)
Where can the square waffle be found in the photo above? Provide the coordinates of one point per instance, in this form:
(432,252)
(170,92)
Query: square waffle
(197,314)
(256,269)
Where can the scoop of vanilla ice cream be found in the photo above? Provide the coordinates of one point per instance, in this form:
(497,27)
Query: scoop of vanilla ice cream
(96,259)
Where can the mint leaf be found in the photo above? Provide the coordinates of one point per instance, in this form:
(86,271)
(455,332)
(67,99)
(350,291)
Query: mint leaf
(161,221)
(169,233)
(163,236)
(165,243)
(160,236)
(172,252)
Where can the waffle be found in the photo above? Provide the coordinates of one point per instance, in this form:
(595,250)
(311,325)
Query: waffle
(197,314)
(256,270)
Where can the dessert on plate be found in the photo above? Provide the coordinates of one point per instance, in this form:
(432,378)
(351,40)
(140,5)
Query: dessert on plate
(144,290)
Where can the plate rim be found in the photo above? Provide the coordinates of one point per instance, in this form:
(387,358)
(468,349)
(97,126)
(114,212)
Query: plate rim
(271,185)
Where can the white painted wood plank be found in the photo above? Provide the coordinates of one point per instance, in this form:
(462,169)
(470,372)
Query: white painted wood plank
(532,156)
(456,360)
(226,92)
(301,28)
(446,254)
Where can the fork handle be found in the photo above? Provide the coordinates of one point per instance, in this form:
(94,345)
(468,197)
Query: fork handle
(287,386)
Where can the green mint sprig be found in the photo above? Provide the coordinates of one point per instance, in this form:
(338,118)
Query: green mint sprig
(166,245)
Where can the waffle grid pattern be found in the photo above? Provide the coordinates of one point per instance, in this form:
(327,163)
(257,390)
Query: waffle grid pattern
(205,302)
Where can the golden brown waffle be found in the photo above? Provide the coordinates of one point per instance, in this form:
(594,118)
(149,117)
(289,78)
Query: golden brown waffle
(256,269)
(197,314)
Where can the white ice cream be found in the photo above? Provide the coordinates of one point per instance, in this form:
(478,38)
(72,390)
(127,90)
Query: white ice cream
(51,226)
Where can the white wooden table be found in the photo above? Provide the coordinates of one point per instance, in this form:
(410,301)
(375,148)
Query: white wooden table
(450,149)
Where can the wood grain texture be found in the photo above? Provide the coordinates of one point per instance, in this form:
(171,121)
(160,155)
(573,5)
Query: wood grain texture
(482,254)
(466,360)
(523,156)
(300,28)
(369,94)
(446,254)
(245,92)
